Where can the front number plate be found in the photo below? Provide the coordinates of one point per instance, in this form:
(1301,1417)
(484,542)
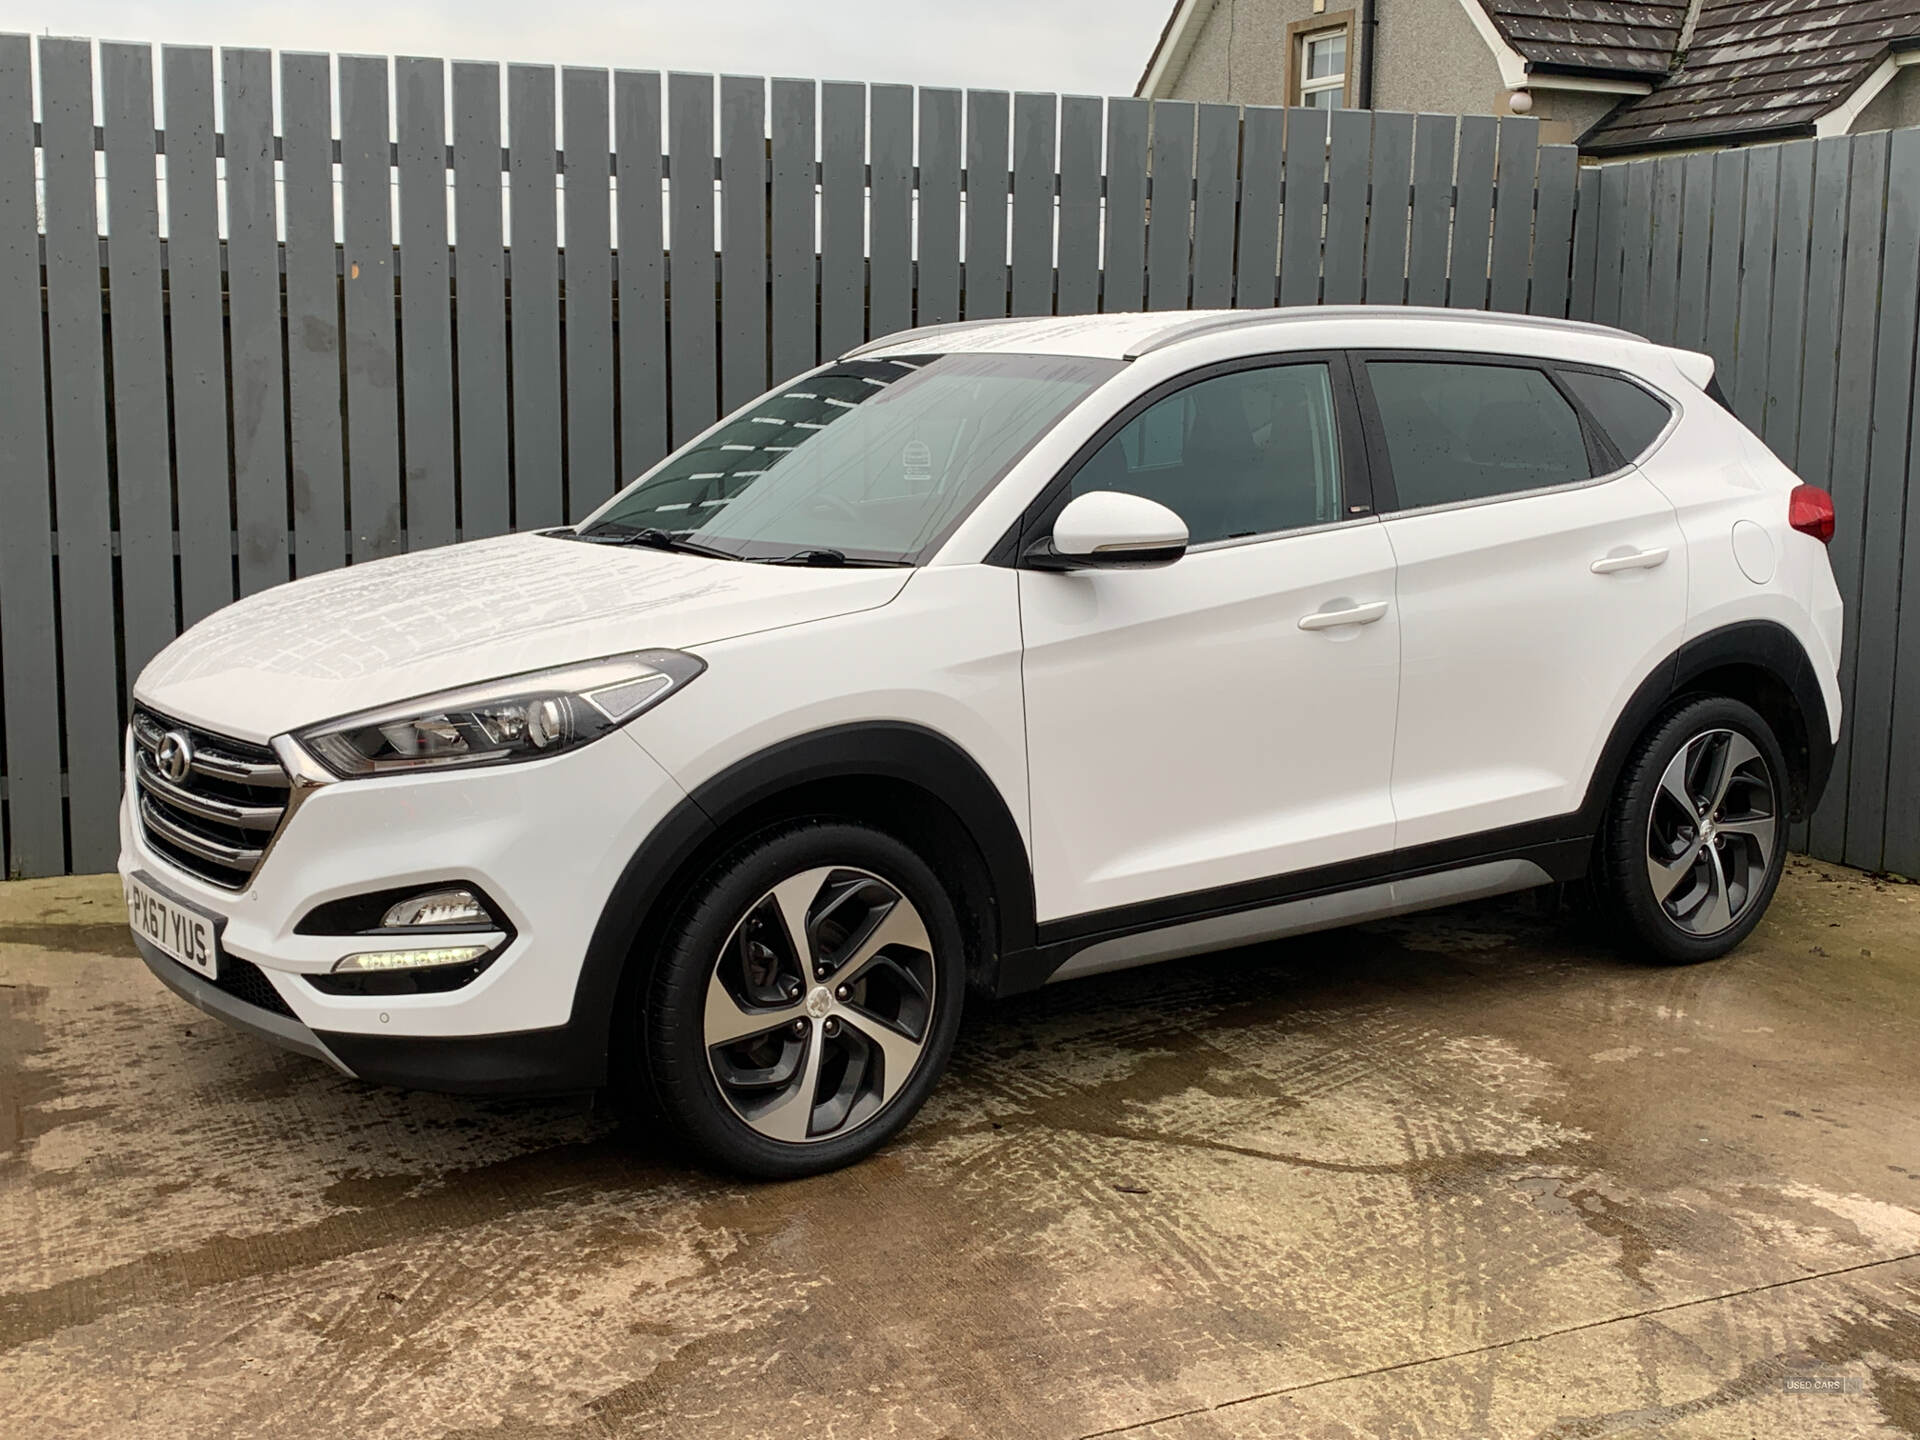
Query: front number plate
(185,935)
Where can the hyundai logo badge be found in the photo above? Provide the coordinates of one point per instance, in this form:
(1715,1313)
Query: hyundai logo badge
(174,758)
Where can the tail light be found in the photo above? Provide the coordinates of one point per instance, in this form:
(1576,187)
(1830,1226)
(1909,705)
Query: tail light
(1810,511)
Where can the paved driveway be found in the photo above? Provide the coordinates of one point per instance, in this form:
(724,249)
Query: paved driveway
(1467,1174)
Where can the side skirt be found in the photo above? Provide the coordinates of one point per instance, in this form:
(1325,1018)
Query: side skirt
(1302,917)
(1492,863)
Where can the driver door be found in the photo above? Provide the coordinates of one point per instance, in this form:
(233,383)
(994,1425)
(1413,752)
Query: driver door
(1228,718)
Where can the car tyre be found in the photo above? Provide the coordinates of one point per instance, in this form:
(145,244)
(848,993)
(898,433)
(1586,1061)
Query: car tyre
(805,1001)
(1696,838)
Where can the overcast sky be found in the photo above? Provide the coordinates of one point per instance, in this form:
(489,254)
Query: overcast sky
(1080,46)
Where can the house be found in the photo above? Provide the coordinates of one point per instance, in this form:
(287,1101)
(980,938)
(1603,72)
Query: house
(1618,78)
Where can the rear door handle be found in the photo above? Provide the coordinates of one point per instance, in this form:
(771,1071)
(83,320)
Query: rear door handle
(1638,560)
(1352,615)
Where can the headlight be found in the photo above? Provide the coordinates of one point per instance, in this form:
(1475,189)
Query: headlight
(524,717)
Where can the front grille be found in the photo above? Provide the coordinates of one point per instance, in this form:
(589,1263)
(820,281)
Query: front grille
(245,981)
(217,819)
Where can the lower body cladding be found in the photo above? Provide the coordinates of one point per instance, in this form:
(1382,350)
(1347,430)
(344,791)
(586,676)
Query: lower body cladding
(544,843)
(1304,916)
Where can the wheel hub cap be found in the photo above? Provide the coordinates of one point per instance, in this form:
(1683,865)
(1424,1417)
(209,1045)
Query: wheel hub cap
(820,1004)
(1711,832)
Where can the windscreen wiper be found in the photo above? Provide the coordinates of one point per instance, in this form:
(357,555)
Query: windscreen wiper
(653,538)
(825,555)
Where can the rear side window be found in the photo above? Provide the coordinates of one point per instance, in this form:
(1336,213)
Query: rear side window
(1459,432)
(1632,418)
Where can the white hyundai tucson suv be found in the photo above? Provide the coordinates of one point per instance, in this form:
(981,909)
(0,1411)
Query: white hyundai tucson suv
(989,655)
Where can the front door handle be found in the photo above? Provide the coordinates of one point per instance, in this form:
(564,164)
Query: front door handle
(1352,615)
(1637,560)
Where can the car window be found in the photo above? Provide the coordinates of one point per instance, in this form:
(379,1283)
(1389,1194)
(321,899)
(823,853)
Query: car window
(1246,453)
(873,458)
(1467,432)
(1632,418)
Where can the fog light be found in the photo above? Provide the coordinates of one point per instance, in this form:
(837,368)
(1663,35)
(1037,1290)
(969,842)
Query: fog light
(384,961)
(437,907)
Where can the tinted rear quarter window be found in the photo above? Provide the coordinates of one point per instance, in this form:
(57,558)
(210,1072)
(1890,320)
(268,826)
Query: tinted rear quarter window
(1632,418)
(1458,432)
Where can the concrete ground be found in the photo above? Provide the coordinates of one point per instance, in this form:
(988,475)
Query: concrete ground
(1462,1175)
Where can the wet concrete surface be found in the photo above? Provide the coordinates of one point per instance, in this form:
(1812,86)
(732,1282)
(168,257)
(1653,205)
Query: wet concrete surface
(1467,1174)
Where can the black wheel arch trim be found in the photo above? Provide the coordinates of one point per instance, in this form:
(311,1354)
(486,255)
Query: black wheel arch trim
(884,750)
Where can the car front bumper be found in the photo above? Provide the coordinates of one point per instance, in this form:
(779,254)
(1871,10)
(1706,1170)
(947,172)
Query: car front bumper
(546,841)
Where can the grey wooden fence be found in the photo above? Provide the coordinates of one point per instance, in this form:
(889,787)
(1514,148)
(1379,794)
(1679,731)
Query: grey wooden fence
(1797,267)
(235,353)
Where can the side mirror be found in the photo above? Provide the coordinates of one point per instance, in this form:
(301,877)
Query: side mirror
(1110,530)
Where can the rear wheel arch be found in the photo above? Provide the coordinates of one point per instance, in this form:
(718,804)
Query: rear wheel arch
(1758,662)
(907,780)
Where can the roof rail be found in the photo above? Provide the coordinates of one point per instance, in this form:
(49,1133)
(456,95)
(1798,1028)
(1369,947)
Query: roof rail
(1213,324)
(892,341)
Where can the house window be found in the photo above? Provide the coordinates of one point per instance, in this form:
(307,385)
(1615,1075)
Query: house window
(1318,62)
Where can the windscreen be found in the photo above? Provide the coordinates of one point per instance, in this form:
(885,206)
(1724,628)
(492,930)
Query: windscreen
(874,460)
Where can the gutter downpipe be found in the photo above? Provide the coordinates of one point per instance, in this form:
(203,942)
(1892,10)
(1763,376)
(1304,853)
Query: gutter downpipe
(1369,28)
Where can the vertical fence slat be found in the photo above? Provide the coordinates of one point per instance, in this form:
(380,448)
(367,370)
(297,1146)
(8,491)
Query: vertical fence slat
(986,217)
(1432,210)
(796,277)
(1302,204)
(743,239)
(1472,212)
(426,317)
(1696,249)
(1749,387)
(1389,200)
(372,370)
(29,655)
(1887,479)
(588,304)
(1513,213)
(843,201)
(1788,322)
(253,321)
(1553,231)
(1034,138)
(1170,209)
(140,439)
(1610,219)
(1217,162)
(890,289)
(1586,244)
(1636,247)
(1901,851)
(1859,325)
(643,272)
(1124,271)
(690,253)
(1257,273)
(1723,261)
(1812,456)
(480,317)
(533,297)
(82,502)
(1079,282)
(196,328)
(317,453)
(937,297)
(1663,254)
(1348,157)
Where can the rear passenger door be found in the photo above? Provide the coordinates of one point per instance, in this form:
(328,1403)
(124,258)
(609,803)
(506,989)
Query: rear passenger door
(1539,581)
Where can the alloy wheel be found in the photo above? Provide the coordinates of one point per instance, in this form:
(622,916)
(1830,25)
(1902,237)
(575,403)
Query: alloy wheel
(819,1004)
(1711,831)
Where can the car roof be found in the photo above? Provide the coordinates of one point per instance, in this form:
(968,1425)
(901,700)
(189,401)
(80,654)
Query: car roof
(1129,335)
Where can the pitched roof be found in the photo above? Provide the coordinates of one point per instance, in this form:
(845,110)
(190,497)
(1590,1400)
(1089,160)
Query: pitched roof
(1761,67)
(1615,36)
